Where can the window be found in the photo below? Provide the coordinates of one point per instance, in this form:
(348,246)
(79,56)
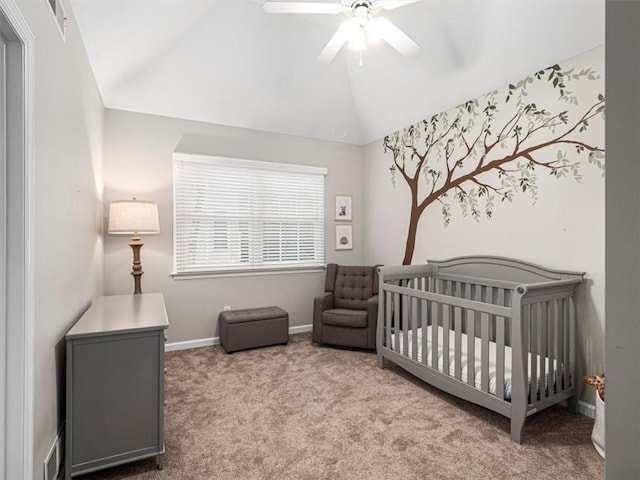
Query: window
(240,215)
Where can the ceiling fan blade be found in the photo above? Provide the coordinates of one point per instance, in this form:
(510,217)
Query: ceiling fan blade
(396,37)
(391,4)
(336,42)
(302,7)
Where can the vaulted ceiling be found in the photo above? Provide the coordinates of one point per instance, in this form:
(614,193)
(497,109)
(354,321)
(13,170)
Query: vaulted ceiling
(229,62)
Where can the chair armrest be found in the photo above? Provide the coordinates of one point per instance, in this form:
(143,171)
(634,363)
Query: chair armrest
(372,309)
(372,321)
(324,301)
(320,304)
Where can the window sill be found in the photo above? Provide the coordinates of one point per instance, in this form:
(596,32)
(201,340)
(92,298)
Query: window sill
(245,273)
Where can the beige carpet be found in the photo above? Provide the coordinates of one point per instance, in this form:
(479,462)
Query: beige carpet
(308,412)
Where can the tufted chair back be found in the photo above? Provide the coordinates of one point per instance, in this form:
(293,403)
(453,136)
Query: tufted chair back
(352,286)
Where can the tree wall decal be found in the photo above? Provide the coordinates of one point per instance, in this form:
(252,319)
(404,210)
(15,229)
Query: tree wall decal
(480,151)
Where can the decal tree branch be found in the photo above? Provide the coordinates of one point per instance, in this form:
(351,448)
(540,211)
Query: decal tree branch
(472,161)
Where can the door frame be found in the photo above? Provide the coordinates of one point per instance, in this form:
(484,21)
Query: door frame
(19,289)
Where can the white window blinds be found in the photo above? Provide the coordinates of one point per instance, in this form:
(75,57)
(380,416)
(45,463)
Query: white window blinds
(241,215)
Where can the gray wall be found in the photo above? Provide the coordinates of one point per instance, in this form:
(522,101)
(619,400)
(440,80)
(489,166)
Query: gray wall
(68,207)
(623,240)
(138,163)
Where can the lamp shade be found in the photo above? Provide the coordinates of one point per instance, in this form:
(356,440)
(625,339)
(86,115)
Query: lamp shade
(133,216)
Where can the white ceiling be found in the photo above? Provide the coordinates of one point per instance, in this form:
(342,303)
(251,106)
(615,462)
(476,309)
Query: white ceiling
(228,62)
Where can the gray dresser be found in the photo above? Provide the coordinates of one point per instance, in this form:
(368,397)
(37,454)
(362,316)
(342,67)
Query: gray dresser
(115,383)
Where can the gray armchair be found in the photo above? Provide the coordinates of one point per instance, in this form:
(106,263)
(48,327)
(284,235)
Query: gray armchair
(346,314)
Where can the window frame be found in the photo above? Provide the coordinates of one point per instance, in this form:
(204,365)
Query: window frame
(256,165)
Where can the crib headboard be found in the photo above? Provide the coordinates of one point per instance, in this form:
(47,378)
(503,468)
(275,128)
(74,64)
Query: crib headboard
(501,268)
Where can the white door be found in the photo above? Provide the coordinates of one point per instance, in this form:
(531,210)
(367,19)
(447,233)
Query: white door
(3,244)
(16,282)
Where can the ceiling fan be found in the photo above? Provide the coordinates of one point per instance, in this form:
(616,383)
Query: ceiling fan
(363,26)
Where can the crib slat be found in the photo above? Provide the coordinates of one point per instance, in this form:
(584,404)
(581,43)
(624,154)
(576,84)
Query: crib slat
(457,326)
(447,316)
(471,347)
(426,318)
(396,321)
(475,295)
(388,309)
(481,323)
(553,377)
(436,320)
(572,338)
(533,348)
(543,338)
(411,328)
(487,297)
(560,340)
(567,341)
(484,359)
(526,316)
(415,315)
(508,295)
(468,327)
(458,345)
(405,323)
(459,312)
(500,343)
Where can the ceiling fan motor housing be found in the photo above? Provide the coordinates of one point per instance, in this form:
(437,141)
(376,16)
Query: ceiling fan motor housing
(360,29)
(361,8)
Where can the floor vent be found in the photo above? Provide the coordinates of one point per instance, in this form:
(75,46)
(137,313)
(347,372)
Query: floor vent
(53,462)
(58,14)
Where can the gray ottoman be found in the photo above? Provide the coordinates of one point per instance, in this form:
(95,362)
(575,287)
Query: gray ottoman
(252,328)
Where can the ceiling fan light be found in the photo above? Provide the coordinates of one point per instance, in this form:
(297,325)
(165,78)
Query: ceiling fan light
(373,31)
(359,41)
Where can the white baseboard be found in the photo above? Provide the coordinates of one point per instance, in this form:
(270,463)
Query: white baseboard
(208,342)
(586,409)
(300,329)
(202,342)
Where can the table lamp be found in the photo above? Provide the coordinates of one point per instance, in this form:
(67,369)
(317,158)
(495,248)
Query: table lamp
(134,217)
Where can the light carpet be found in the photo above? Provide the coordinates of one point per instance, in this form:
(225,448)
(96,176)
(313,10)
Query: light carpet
(304,411)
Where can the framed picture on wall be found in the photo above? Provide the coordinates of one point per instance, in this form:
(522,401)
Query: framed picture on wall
(343,208)
(344,237)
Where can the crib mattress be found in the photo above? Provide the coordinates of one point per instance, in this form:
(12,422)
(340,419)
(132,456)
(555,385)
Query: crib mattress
(478,359)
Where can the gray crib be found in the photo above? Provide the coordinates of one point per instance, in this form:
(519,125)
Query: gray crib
(494,331)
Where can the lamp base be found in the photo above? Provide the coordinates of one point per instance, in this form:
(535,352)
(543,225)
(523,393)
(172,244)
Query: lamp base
(137,272)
